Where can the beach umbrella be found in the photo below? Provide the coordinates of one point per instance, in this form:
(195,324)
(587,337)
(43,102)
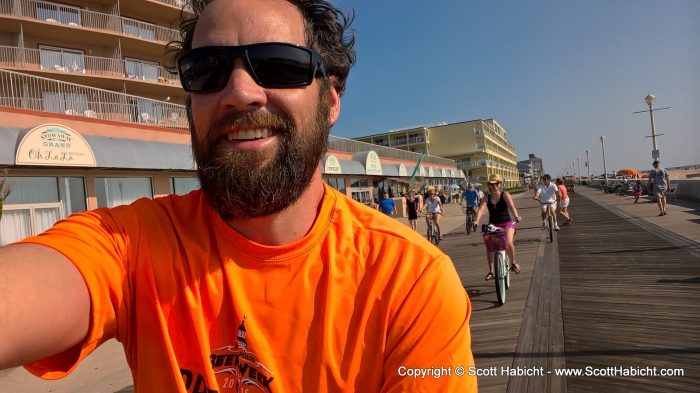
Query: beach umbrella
(628,171)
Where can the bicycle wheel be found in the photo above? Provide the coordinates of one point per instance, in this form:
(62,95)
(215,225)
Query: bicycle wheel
(436,236)
(550,224)
(507,270)
(500,279)
(470,220)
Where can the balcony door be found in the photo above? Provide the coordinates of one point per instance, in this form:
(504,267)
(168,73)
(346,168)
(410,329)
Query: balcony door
(60,59)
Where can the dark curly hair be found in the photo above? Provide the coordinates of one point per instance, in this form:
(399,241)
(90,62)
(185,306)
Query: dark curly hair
(327,31)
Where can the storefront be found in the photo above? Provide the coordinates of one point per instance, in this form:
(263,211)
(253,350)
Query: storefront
(54,171)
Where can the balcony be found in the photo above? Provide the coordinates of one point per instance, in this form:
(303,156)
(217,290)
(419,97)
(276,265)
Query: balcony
(178,4)
(76,17)
(77,63)
(18,90)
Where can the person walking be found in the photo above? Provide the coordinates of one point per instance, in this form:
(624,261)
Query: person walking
(387,205)
(564,202)
(412,207)
(658,180)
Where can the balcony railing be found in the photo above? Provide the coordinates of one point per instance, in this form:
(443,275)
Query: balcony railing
(76,17)
(178,3)
(24,91)
(69,62)
(353,146)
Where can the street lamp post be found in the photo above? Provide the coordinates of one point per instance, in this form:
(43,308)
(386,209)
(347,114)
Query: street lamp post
(578,163)
(650,99)
(605,166)
(650,102)
(588,165)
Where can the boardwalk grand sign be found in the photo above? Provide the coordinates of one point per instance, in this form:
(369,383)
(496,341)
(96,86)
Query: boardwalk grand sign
(54,145)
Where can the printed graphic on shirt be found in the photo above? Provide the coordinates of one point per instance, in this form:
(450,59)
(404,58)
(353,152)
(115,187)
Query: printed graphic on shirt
(238,370)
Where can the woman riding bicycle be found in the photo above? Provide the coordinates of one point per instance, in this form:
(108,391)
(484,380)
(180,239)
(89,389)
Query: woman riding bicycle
(499,203)
(434,206)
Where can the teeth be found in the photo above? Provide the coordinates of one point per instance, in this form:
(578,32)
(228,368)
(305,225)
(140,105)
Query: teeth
(249,134)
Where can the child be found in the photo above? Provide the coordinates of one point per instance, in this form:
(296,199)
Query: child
(637,191)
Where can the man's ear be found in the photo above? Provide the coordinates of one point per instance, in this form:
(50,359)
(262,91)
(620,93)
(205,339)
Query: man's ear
(333,102)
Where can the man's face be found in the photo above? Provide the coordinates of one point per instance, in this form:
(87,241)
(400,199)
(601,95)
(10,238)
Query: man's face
(386,196)
(546,182)
(257,148)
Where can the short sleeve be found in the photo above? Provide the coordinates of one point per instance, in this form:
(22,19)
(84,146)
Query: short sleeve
(430,332)
(94,243)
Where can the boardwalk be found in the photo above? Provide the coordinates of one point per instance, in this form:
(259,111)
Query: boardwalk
(613,290)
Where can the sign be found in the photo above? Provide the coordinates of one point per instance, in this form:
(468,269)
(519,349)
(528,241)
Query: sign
(655,154)
(444,172)
(370,160)
(54,145)
(402,170)
(431,172)
(421,171)
(331,165)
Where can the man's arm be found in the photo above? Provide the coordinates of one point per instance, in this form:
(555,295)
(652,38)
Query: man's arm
(44,304)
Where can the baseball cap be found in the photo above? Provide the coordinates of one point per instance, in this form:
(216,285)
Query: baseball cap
(655,162)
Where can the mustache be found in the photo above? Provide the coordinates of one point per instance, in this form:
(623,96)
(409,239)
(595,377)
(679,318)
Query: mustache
(253,119)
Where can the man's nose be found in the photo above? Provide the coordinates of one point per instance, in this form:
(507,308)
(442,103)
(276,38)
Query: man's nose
(242,92)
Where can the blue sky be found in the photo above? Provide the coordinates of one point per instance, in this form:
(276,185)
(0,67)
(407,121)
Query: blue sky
(555,74)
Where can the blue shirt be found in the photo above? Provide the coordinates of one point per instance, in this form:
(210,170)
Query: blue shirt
(386,206)
(472,197)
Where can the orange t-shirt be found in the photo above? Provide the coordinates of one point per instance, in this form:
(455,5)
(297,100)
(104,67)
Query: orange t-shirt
(563,194)
(358,304)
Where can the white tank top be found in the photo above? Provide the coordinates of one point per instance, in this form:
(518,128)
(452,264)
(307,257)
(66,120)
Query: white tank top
(433,206)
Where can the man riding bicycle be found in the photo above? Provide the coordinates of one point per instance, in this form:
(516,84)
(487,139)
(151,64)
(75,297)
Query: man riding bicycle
(547,193)
(471,198)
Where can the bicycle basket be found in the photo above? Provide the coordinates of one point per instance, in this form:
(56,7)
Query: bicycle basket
(494,241)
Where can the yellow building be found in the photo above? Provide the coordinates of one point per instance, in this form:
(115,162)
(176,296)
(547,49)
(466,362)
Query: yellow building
(480,147)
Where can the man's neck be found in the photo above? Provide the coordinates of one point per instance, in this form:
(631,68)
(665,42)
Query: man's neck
(287,226)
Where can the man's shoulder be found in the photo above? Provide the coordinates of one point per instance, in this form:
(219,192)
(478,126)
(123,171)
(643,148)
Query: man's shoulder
(365,226)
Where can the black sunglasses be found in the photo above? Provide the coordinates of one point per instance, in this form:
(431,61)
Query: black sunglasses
(272,64)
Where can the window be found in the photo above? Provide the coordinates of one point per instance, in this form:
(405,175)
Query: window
(59,59)
(115,191)
(354,182)
(36,203)
(183,185)
(141,69)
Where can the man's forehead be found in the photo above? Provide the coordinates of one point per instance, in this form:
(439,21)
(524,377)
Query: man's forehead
(241,22)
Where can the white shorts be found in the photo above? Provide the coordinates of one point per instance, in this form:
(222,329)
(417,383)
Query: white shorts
(564,202)
(544,206)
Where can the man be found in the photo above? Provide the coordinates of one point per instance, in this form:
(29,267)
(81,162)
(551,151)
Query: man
(547,193)
(266,279)
(387,205)
(471,198)
(658,180)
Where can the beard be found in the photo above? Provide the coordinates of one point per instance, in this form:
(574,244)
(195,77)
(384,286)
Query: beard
(249,184)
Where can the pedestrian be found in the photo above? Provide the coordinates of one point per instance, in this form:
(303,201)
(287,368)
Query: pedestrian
(637,191)
(658,179)
(412,207)
(564,202)
(387,205)
(266,276)
(441,196)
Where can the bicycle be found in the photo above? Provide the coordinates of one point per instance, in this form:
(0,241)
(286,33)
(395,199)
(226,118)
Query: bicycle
(495,240)
(471,225)
(549,221)
(433,233)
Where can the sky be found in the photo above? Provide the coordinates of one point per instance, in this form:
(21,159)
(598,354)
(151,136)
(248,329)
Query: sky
(556,74)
